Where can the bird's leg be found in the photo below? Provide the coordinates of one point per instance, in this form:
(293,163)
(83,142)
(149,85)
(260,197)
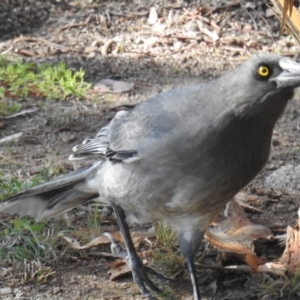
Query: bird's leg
(191,267)
(138,270)
(189,243)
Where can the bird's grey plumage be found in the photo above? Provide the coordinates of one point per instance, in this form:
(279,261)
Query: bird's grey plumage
(179,156)
(51,198)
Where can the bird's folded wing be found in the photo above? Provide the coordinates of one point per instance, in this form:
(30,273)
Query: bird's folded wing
(130,132)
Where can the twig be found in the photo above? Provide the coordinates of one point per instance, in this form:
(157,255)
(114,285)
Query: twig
(26,52)
(235,49)
(22,113)
(106,46)
(250,15)
(132,14)
(12,137)
(41,40)
(59,30)
(231,4)
(212,34)
(6,51)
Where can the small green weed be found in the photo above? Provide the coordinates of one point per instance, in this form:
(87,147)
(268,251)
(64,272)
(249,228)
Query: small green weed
(166,237)
(34,272)
(167,252)
(167,294)
(94,219)
(11,186)
(8,107)
(20,80)
(23,240)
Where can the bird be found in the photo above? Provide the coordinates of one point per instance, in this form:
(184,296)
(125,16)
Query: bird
(178,157)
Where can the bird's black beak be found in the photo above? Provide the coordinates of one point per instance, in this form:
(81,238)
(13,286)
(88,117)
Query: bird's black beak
(290,75)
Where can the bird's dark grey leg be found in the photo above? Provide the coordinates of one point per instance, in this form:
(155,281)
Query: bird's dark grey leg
(189,244)
(117,250)
(191,267)
(138,271)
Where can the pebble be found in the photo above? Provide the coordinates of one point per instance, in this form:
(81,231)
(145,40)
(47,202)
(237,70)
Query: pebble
(56,290)
(152,16)
(285,179)
(5,291)
(191,26)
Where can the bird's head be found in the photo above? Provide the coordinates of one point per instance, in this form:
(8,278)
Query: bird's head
(271,71)
(262,84)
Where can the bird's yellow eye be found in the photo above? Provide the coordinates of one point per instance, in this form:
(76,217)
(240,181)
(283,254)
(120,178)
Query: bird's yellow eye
(263,71)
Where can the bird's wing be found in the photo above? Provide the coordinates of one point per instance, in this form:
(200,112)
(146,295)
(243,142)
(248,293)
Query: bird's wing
(129,131)
(123,136)
(56,196)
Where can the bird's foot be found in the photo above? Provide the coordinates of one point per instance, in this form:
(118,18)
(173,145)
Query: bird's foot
(139,270)
(140,277)
(159,275)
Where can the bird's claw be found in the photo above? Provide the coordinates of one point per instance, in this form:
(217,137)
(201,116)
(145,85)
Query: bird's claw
(138,269)
(140,277)
(153,272)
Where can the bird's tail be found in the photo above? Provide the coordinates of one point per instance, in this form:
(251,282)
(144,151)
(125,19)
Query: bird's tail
(54,197)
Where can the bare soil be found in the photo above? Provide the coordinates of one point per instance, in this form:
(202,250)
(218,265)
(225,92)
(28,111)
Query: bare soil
(171,53)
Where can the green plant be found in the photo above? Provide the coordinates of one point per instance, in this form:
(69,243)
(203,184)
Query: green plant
(167,294)
(8,107)
(94,221)
(35,272)
(13,185)
(166,237)
(24,240)
(167,251)
(20,80)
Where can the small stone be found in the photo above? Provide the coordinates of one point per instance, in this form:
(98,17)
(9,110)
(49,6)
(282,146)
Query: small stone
(67,138)
(56,290)
(269,12)
(177,45)
(5,291)
(152,16)
(90,49)
(191,27)
(247,28)
(285,179)
(91,55)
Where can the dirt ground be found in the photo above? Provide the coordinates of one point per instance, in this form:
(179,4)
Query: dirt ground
(189,42)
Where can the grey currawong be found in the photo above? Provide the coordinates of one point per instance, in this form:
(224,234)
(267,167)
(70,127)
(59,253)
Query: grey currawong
(178,157)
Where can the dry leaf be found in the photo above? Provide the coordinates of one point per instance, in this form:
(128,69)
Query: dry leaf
(119,270)
(211,33)
(98,241)
(241,198)
(137,238)
(275,269)
(236,234)
(272,268)
(291,254)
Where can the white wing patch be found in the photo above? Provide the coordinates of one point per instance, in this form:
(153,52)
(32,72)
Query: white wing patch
(100,146)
